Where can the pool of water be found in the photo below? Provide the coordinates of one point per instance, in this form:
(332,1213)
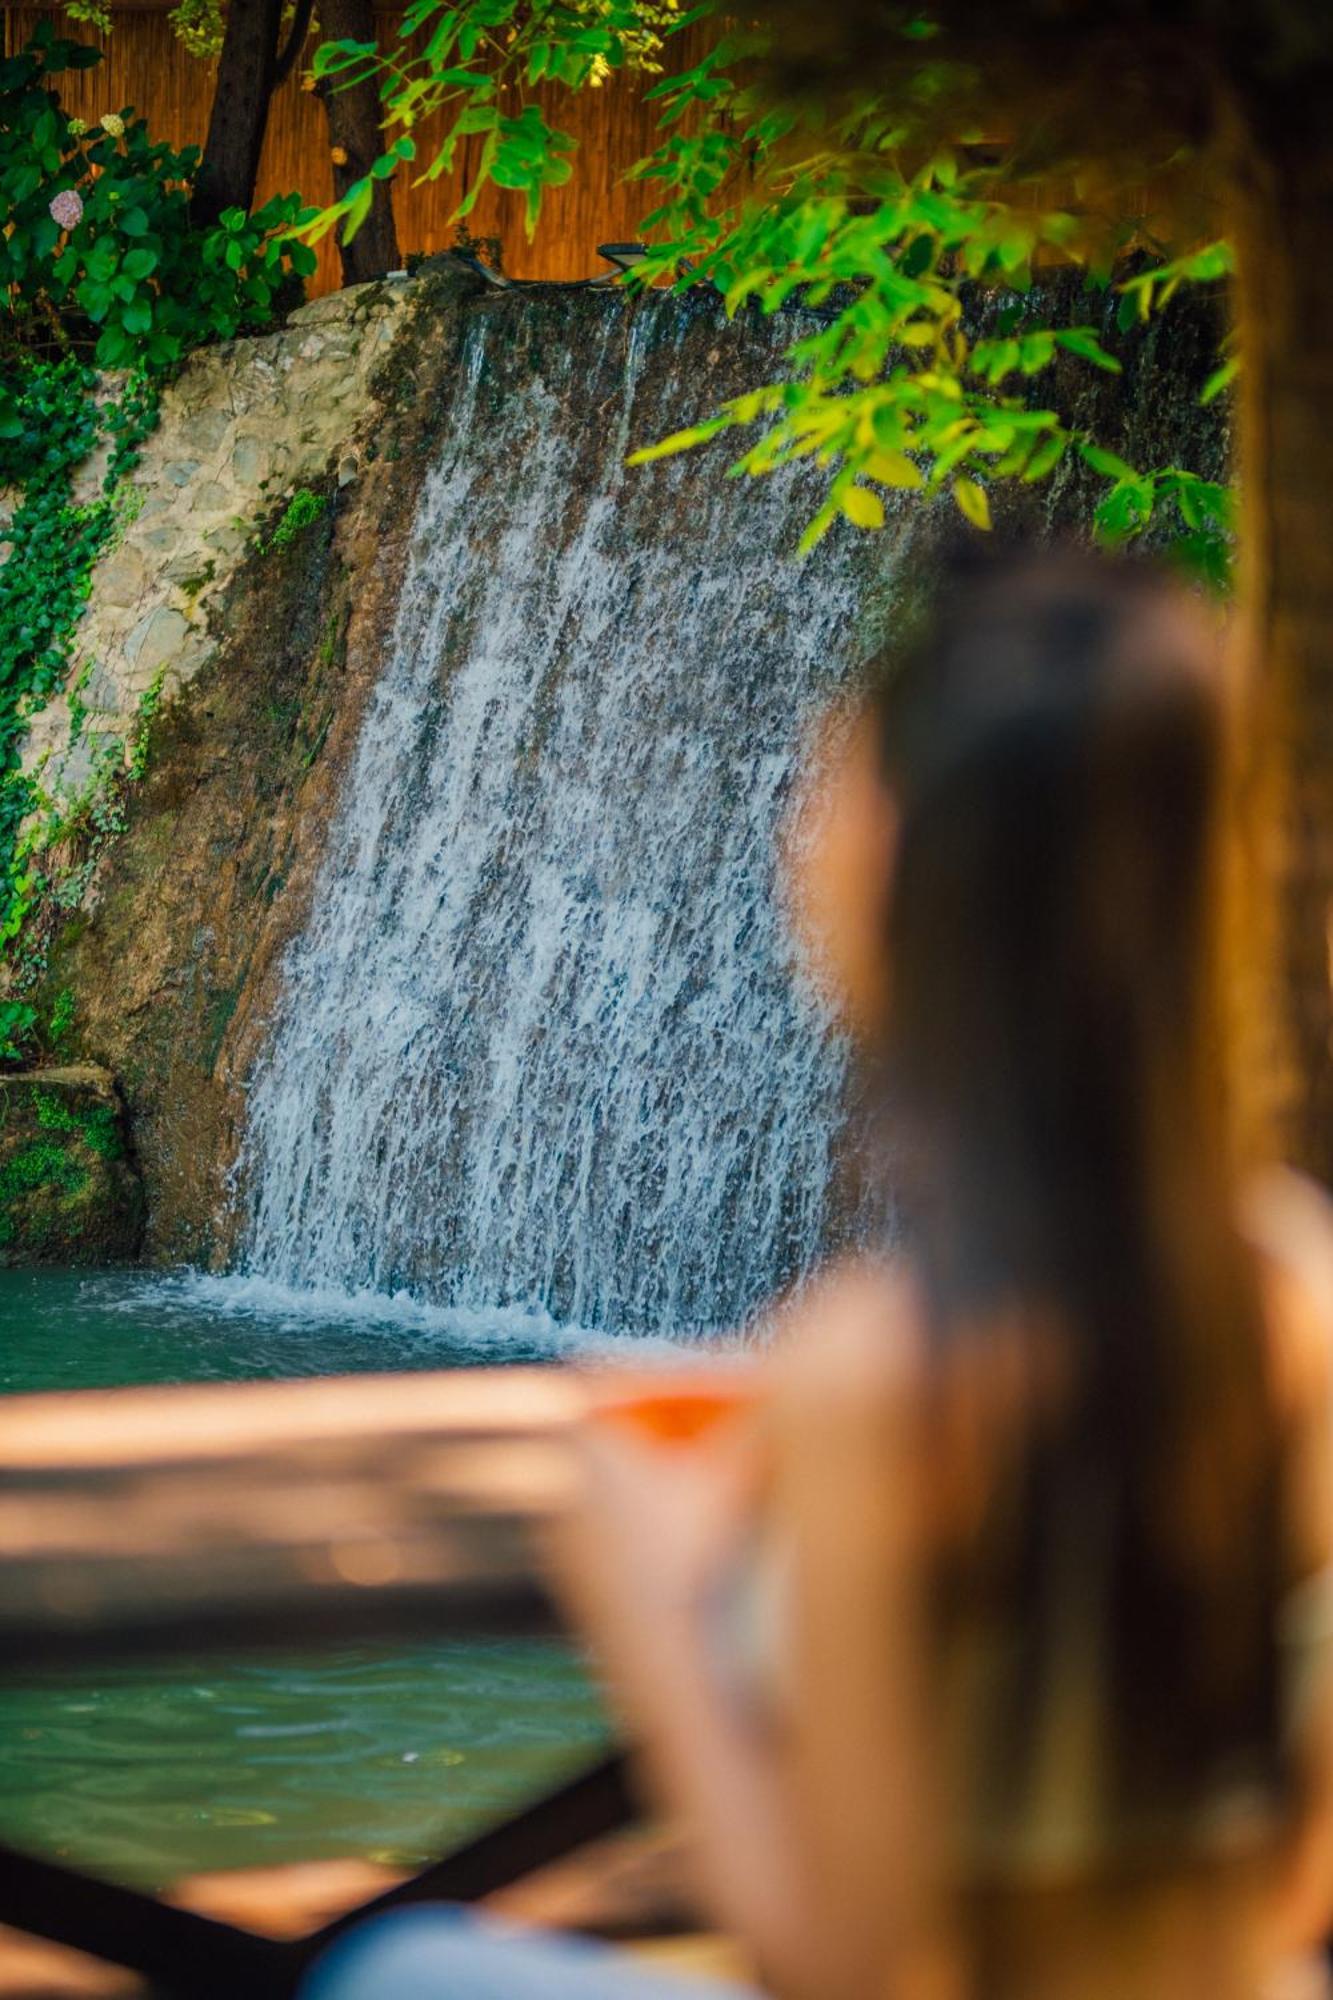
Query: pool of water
(393,1753)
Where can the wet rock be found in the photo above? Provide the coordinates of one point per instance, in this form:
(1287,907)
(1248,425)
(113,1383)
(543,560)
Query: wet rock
(69,1191)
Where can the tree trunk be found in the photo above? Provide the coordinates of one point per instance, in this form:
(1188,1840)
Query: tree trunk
(1284,188)
(247,68)
(356,141)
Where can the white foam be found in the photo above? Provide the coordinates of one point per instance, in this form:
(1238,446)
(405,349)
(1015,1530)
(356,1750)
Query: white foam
(495,1335)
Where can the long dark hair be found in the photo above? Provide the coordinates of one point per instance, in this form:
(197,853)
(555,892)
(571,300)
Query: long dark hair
(1054,744)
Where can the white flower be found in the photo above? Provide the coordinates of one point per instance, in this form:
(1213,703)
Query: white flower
(112,123)
(66,208)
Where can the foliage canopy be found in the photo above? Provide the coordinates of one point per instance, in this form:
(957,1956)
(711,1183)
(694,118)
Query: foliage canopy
(853,207)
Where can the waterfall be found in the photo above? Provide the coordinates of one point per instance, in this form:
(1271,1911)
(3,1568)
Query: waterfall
(540,1044)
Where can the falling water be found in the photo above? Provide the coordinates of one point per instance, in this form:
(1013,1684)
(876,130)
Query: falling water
(540,1045)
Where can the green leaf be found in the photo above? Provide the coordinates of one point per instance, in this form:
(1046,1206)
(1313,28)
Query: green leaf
(1220,380)
(1081,340)
(818,528)
(138,264)
(482,118)
(1104,461)
(679,441)
(892,468)
(1046,457)
(973,502)
(95,299)
(862,507)
(331,58)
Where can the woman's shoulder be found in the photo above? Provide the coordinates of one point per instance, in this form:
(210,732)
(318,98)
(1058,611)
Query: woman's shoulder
(855,1348)
(1289,1218)
(854,1328)
(1288,1221)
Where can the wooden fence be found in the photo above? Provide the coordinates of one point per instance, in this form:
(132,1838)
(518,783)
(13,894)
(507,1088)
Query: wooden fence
(147,67)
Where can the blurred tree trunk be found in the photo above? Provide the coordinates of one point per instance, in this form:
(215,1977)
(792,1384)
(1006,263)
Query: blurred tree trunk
(1283,224)
(356,142)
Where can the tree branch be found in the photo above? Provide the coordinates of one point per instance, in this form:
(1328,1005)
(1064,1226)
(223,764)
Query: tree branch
(292,47)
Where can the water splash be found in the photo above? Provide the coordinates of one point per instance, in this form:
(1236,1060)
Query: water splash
(408,1330)
(539,1048)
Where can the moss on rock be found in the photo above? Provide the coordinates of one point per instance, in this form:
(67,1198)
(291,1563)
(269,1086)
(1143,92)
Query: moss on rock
(69,1192)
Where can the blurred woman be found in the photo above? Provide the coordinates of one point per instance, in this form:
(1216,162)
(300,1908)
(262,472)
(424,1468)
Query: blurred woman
(990,1656)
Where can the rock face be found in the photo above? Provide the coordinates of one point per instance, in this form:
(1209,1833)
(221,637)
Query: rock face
(245,426)
(69,1191)
(170,954)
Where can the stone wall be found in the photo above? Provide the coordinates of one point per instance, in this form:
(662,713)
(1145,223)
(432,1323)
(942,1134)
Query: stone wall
(245,426)
(170,952)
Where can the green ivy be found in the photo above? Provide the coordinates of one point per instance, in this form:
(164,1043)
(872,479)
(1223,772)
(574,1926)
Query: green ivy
(40,1166)
(63,1009)
(17,1020)
(96,1124)
(54,543)
(302,511)
(150,701)
(101,268)
(54,424)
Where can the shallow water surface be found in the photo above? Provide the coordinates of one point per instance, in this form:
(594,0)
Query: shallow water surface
(395,1753)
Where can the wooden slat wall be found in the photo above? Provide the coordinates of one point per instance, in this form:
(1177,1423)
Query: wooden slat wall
(146,66)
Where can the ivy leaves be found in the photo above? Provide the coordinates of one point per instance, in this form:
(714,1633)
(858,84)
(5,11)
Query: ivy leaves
(101,267)
(53,422)
(53,425)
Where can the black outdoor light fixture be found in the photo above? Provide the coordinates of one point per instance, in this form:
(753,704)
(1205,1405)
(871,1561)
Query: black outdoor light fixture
(623,255)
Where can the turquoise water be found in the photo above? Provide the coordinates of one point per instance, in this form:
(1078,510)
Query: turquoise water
(392,1753)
